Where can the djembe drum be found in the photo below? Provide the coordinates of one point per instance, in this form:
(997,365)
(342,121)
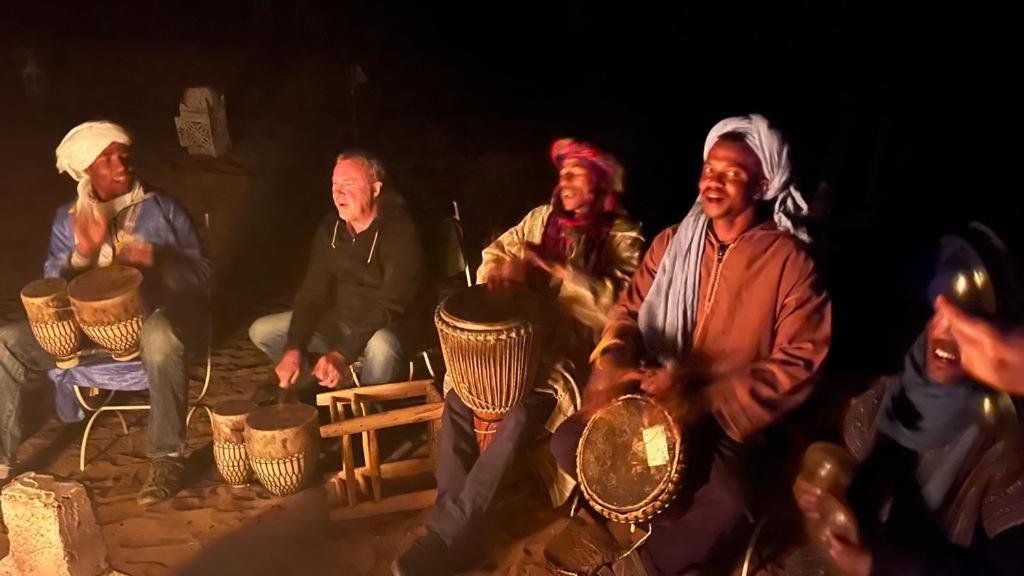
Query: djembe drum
(283,443)
(51,319)
(630,460)
(228,423)
(108,307)
(490,345)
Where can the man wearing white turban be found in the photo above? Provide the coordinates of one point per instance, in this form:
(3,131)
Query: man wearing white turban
(116,220)
(728,317)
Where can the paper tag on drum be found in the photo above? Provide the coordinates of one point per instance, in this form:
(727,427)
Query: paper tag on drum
(655,445)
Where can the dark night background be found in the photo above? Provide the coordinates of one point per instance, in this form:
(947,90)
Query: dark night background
(906,121)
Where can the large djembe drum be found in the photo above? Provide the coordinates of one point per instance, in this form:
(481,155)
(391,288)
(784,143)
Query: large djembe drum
(283,443)
(630,460)
(108,307)
(228,424)
(51,319)
(489,339)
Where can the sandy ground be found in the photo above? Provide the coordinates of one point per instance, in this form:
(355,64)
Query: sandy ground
(211,528)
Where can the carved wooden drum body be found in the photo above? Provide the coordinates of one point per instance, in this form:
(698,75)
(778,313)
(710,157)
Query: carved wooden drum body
(228,423)
(52,320)
(490,346)
(108,307)
(283,443)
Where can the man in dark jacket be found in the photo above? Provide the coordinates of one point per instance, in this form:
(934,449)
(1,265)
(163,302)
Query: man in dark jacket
(363,275)
(937,490)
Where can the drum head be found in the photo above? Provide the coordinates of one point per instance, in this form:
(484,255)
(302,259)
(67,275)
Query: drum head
(234,407)
(281,417)
(44,288)
(629,459)
(483,308)
(102,284)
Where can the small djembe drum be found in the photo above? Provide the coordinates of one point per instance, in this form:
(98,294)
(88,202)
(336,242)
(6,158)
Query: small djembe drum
(51,319)
(490,347)
(228,423)
(108,307)
(283,443)
(630,460)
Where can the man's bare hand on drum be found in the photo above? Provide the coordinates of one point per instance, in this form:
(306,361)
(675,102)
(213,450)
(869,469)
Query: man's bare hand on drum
(288,369)
(508,272)
(665,385)
(609,379)
(89,232)
(533,257)
(659,382)
(138,254)
(330,368)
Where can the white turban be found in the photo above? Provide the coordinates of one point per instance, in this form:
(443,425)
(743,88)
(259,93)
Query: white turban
(668,315)
(79,149)
(84,143)
(773,152)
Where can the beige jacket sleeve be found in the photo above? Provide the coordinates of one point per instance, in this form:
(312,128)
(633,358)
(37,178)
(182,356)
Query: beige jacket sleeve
(511,244)
(590,297)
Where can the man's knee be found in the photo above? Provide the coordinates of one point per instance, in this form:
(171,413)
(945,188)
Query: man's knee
(453,402)
(12,343)
(262,329)
(564,443)
(256,330)
(383,347)
(532,411)
(158,340)
(9,334)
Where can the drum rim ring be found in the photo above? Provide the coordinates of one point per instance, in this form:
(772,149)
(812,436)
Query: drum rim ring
(655,502)
(480,331)
(479,326)
(471,325)
(132,287)
(34,299)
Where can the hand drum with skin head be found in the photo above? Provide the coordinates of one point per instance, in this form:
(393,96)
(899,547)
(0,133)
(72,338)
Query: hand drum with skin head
(630,460)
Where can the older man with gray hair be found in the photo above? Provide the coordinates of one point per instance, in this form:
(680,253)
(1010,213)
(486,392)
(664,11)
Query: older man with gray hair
(363,276)
(115,219)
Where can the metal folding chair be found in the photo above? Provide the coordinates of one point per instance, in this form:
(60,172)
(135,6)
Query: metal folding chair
(104,404)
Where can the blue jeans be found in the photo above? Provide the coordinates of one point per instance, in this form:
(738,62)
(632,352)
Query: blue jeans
(467,481)
(382,358)
(23,364)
